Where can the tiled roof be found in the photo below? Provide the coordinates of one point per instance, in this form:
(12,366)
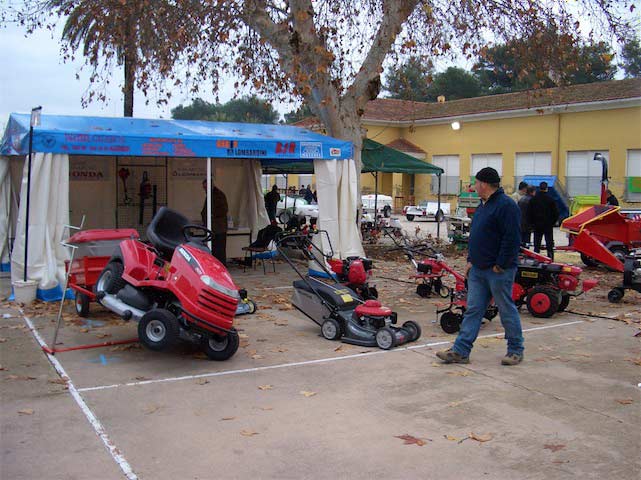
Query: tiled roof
(390,110)
(405,146)
(385,109)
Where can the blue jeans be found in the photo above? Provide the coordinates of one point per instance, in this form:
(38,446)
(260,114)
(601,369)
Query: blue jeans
(482,286)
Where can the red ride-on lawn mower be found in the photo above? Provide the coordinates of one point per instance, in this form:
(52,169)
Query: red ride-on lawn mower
(355,273)
(173,286)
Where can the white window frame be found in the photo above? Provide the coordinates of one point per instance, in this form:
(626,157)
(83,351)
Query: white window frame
(632,169)
(451,164)
(482,160)
(589,182)
(538,165)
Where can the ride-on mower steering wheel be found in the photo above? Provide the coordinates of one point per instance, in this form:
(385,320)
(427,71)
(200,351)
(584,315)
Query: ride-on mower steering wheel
(197,233)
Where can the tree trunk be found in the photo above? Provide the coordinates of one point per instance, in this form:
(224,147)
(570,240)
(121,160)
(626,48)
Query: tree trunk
(128,88)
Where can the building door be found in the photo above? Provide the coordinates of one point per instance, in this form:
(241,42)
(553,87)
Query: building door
(583,173)
(531,163)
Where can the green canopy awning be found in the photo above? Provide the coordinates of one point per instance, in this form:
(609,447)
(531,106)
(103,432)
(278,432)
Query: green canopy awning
(376,157)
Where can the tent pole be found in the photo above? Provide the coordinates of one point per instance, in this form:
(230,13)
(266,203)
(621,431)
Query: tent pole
(208,197)
(375,196)
(26,222)
(438,223)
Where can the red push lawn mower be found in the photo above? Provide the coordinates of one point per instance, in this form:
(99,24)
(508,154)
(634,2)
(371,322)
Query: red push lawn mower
(355,273)
(173,286)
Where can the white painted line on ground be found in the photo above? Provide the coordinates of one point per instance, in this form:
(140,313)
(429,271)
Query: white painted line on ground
(297,364)
(93,420)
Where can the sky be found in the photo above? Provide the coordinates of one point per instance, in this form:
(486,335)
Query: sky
(33,74)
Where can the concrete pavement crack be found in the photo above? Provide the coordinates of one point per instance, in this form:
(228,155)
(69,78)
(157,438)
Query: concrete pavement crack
(531,390)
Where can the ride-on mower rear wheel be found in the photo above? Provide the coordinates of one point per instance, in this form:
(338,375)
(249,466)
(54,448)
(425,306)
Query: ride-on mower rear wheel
(451,322)
(565,301)
(414,329)
(82,304)
(110,279)
(423,290)
(158,329)
(615,295)
(543,302)
(385,338)
(220,348)
(331,329)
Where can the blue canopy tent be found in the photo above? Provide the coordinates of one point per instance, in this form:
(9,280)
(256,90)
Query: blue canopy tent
(57,137)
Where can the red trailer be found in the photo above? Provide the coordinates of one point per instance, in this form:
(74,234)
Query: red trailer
(93,250)
(603,234)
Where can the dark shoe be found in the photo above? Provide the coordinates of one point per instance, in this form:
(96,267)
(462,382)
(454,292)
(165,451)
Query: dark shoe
(512,359)
(450,356)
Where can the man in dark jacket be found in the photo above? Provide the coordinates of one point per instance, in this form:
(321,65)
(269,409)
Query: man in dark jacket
(542,214)
(271,202)
(219,211)
(526,228)
(491,266)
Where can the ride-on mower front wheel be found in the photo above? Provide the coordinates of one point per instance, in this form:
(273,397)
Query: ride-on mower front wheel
(220,348)
(158,329)
(543,302)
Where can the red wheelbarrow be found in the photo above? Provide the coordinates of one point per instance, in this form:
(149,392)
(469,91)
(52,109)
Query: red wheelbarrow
(603,234)
(93,251)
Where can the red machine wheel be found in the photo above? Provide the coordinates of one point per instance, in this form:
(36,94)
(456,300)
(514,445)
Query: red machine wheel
(221,348)
(542,302)
(82,304)
(423,290)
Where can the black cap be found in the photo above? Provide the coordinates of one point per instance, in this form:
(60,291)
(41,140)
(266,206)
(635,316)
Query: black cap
(488,175)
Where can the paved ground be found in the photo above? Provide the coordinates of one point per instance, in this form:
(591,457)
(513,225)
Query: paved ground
(290,404)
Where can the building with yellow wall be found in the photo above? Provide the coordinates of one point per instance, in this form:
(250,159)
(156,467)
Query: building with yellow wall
(543,132)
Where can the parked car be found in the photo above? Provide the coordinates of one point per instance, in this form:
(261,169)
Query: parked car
(426,211)
(383,204)
(295,206)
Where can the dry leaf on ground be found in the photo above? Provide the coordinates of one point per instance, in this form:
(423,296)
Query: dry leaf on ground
(553,448)
(151,409)
(265,387)
(450,438)
(625,401)
(202,381)
(227,418)
(459,373)
(410,440)
(306,393)
(248,433)
(481,437)
(26,411)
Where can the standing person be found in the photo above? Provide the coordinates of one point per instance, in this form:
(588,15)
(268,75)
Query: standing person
(309,196)
(611,200)
(526,228)
(491,267)
(219,210)
(542,214)
(271,202)
(520,193)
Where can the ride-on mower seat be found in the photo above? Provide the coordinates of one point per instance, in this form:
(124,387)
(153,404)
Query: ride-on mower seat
(165,232)
(342,298)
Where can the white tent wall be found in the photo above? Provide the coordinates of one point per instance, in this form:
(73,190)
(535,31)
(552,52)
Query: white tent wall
(48,215)
(240,179)
(5,211)
(336,182)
